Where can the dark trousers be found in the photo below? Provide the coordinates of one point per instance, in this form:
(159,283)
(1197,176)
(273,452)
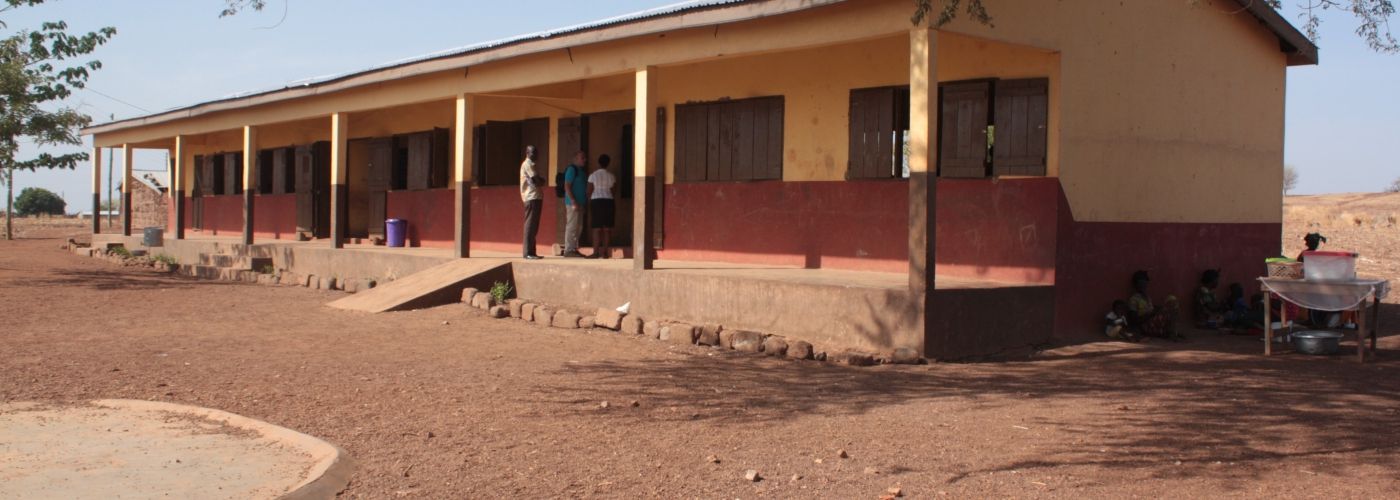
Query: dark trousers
(532,224)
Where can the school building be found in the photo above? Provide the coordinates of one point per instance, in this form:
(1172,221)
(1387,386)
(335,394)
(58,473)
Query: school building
(821,169)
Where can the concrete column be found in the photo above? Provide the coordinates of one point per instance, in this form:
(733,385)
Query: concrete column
(127,178)
(462,175)
(340,208)
(177,186)
(96,189)
(645,168)
(250,186)
(923,182)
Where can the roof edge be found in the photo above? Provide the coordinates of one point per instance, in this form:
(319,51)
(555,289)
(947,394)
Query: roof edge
(1300,50)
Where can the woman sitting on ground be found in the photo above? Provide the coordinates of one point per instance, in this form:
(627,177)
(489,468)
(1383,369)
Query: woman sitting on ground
(1149,319)
(1210,311)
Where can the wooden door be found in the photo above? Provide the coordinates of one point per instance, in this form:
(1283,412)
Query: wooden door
(381,161)
(306,194)
(571,139)
(964,116)
(321,187)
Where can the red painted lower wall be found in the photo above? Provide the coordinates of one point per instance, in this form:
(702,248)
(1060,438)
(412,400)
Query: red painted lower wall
(498,220)
(429,213)
(223,215)
(1097,260)
(997,230)
(275,217)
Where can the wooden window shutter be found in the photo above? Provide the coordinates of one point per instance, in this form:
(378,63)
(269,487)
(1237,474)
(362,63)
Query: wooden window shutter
(265,178)
(962,137)
(441,169)
(419,161)
(479,155)
(872,126)
(286,168)
(1022,117)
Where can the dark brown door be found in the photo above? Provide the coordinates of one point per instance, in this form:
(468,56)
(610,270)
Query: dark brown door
(381,161)
(321,187)
(306,192)
(962,128)
(571,139)
(1021,117)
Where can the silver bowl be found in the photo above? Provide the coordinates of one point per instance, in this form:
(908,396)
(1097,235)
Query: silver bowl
(1317,342)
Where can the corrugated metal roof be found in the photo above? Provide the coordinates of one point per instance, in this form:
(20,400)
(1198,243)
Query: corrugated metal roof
(665,10)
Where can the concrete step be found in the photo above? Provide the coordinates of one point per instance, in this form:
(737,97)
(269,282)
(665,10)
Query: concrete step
(434,286)
(218,273)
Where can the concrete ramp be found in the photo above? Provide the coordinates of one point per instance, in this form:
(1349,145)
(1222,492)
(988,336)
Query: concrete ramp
(434,286)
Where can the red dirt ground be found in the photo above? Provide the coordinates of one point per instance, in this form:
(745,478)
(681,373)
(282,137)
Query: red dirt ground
(492,408)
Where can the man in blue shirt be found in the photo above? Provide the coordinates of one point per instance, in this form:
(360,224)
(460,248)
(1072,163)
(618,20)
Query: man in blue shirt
(575,194)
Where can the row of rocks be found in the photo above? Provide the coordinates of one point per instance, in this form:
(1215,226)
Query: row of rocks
(708,335)
(121,258)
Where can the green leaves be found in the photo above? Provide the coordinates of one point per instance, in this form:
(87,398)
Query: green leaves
(36,71)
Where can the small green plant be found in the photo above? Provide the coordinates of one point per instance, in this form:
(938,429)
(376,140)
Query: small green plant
(168,260)
(267,269)
(120,251)
(501,291)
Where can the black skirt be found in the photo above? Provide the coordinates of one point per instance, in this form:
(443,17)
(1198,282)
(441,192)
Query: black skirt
(600,213)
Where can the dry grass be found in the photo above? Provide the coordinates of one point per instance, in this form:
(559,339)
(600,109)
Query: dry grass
(1367,223)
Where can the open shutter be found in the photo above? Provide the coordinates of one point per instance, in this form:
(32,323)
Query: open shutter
(441,161)
(1022,116)
(963,121)
(871,133)
(419,160)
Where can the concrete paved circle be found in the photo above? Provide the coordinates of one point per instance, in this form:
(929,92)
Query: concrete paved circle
(145,449)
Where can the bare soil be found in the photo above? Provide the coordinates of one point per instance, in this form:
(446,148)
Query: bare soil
(446,403)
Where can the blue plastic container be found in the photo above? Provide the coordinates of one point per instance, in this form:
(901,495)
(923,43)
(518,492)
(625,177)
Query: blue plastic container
(396,229)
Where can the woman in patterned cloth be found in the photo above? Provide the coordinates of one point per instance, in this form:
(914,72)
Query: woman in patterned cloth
(1148,319)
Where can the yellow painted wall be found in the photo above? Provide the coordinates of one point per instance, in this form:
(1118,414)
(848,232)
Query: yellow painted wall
(816,86)
(1164,110)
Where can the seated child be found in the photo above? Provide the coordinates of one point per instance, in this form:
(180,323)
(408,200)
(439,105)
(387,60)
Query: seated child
(1148,319)
(1238,313)
(1116,323)
(1210,311)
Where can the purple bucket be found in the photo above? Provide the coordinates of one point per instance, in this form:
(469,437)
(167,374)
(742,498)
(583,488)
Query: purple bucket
(395,230)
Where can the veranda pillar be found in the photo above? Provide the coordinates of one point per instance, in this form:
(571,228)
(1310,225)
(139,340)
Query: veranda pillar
(250,187)
(127,178)
(462,176)
(340,206)
(177,186)
(923,192)
(96,189)
(645,168)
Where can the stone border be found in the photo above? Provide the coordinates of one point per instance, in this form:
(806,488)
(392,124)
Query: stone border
(327,477)
(710,335)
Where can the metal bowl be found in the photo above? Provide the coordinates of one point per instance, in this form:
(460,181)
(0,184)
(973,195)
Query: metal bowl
(1317,342)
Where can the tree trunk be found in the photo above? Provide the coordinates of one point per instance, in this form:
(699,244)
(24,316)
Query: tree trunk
(9,202)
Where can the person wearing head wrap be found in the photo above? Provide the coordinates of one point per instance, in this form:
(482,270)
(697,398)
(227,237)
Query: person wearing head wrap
(1149,319)
(1312,240)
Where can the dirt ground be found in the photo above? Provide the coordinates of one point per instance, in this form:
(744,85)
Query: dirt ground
(445,403)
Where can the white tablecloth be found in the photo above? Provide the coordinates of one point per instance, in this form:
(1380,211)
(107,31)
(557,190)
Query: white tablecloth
(1327,295)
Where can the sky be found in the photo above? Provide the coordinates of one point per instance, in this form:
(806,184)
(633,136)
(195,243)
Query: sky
(1340,131)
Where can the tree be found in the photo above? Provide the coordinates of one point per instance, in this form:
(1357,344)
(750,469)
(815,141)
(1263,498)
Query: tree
(37,72)
(1394,186)
(1373,16)
(35,201)
(1290,179)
